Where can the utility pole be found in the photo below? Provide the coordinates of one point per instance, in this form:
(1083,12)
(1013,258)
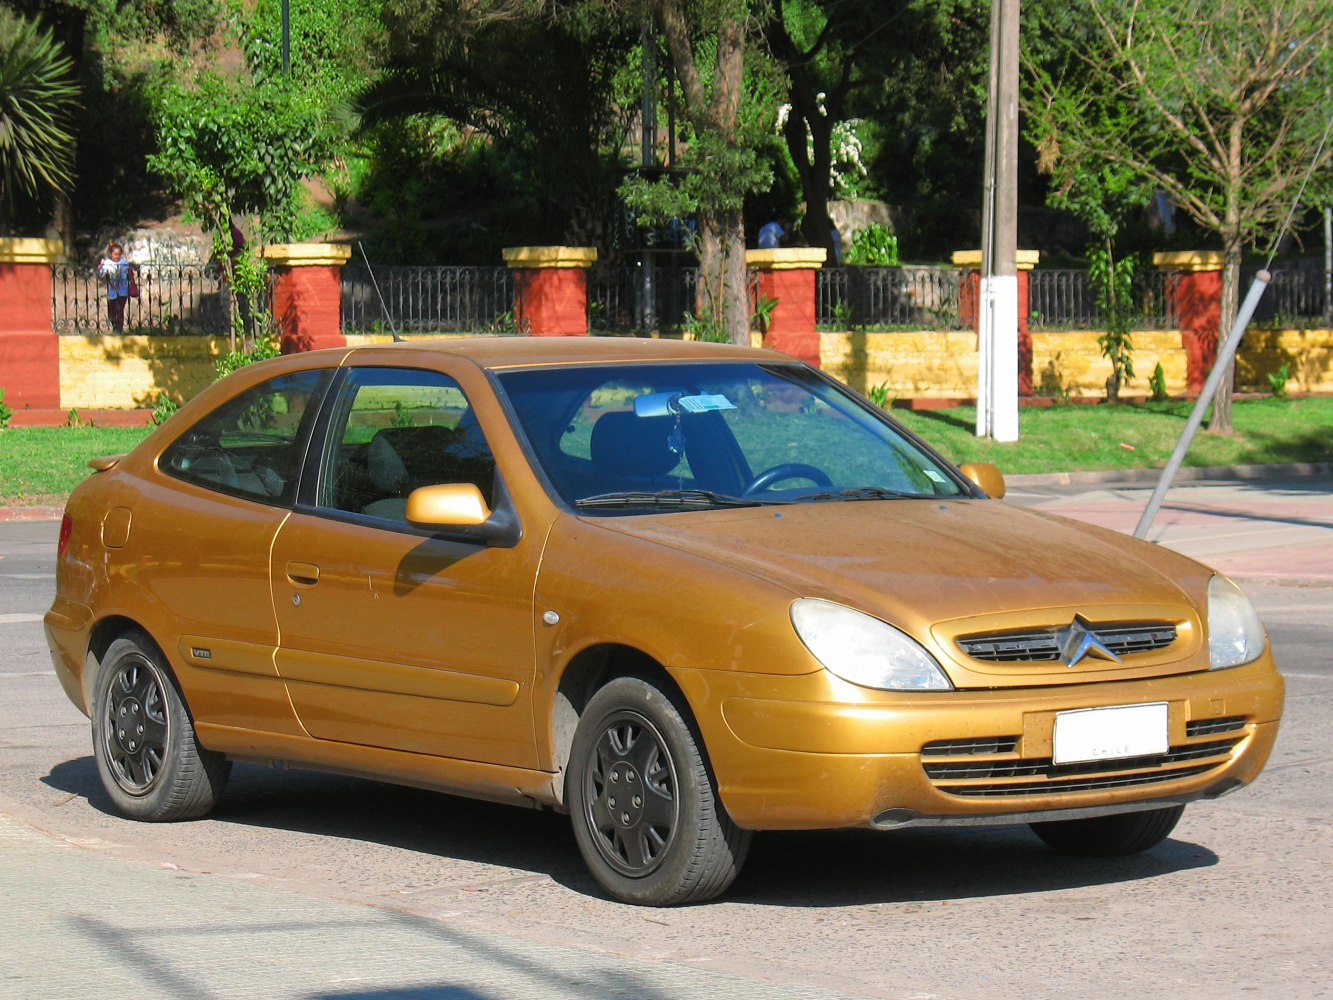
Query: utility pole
(997,363)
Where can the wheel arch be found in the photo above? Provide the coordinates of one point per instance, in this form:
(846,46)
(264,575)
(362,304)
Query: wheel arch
(103,634)
(587,673)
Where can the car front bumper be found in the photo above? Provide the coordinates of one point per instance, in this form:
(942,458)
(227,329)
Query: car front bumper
(810,752)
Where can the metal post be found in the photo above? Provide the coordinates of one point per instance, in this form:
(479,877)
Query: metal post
(286,36)
(997,362)
(648,111)
(1220,368)
(1328,263)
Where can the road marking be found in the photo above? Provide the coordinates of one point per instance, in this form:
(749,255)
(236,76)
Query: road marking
(19,619)
(27,576)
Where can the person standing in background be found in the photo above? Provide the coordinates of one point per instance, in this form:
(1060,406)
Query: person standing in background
(121,284)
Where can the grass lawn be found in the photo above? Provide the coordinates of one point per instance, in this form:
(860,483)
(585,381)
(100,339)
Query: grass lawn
(40,465)
(1131,436)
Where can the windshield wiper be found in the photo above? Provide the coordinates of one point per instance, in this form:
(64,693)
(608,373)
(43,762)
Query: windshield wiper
(862,493)
(670,498)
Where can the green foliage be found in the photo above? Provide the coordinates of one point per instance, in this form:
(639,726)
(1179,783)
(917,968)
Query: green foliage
(879,395)
(162,410)
(763,312)
(72,419)
(1113,283)
(331,44)
(5,412)
(37,99)
(1157,383)
(261,350)
(227,147)
(1277,381)
(874,246)
(705,327)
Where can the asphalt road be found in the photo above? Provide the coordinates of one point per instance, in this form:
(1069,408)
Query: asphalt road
(316,886)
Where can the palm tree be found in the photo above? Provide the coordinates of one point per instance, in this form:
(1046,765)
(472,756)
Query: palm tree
(37,97)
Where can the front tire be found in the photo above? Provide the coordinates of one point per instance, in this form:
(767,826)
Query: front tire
(644,808)
(147,756)
(1110,836)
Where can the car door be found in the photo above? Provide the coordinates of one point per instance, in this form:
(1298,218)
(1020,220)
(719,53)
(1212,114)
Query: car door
(392,636)
(201,540)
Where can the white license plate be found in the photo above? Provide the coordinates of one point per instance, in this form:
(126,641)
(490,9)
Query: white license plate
(1110,733)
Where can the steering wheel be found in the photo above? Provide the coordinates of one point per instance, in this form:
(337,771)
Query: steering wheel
(787,470)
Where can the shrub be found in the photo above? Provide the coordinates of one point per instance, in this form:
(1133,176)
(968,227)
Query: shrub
(1277,381)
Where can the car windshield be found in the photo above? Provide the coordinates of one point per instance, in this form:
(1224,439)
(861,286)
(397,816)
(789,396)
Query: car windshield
(658,437)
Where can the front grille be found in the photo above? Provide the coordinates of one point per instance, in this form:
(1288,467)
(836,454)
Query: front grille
(995,770)
(1043,645)
(967,748)
(1211,727)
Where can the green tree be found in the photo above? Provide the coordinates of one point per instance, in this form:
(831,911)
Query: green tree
(837,56)
(530,90)
(37,98)
(711,47)
(1218,103)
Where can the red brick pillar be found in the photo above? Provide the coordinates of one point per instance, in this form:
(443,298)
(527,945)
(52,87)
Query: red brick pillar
(969,305)
(551,289)
(29,350)
(1197,294)
(307,294)
(787,276)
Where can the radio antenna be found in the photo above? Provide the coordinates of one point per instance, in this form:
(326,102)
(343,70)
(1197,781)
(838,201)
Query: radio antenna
(383,308)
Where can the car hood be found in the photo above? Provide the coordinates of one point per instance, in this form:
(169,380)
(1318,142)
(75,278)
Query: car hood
(924,561)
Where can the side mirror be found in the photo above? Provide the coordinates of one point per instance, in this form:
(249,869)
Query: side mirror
(460,508)
(985,477)
(449,505)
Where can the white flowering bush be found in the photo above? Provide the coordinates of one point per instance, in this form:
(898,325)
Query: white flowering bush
(846,168)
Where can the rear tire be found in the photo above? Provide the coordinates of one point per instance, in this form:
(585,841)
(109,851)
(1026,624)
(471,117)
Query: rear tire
(643,805)
(1110,836)
(143,740)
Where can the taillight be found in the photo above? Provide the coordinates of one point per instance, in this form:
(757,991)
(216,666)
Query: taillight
(66,529)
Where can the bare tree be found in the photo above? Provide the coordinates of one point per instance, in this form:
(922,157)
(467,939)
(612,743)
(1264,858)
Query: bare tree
(1218,103)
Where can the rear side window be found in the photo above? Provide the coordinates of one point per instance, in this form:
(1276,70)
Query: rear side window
(252,445)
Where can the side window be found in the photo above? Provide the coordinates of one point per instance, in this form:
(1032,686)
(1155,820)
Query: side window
(395,430)
(251,446)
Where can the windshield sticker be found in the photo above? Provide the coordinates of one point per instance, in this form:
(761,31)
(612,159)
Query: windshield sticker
(934,476)
(704,404)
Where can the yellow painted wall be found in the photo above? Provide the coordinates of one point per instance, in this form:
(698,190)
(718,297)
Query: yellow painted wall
(126,372)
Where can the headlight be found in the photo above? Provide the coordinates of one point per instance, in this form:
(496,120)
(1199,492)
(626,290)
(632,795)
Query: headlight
(1235,634)
(865,650)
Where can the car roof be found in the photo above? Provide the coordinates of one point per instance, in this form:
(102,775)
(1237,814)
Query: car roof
(519,352)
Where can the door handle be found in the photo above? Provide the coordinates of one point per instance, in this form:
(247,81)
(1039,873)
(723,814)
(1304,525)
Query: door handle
(303,573)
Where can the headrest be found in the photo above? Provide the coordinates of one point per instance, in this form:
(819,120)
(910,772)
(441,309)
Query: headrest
(624,444)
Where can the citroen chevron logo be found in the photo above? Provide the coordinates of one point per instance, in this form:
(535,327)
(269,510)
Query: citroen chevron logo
(1078,641)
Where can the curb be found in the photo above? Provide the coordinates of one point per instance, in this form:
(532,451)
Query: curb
(1186,474)
(1136,477)
(31,513)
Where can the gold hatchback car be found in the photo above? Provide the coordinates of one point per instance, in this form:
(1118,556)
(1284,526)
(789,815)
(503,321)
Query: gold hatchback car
(682,592)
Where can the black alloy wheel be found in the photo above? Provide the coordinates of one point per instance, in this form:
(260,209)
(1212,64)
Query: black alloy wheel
(143,739)
(642,801)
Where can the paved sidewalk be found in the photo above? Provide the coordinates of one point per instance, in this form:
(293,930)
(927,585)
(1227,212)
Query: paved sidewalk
(175,934)
(1274,530)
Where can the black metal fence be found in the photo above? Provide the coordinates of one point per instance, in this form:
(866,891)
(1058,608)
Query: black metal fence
(428,299)
(1064,299)
(633,298)
(1297,296)
(913,296)
(173,299)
